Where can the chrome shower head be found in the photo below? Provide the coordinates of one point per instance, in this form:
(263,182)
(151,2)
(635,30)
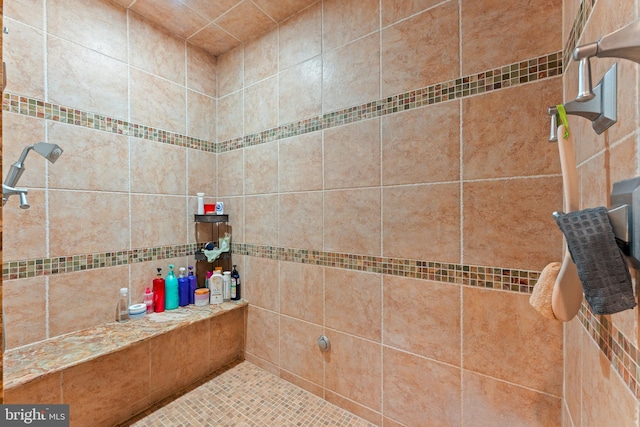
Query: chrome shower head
(49,151)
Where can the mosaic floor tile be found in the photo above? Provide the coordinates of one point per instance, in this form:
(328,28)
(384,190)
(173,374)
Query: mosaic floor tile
(243,395)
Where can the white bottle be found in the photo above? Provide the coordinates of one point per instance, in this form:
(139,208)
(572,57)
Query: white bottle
(215,287)
(122,312)
(226,283)
(200,210)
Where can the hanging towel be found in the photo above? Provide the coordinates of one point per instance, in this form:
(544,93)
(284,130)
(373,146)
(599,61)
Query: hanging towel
(601,265)
(541,296)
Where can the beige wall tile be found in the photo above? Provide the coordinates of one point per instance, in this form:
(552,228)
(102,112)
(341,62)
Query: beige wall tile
(44,389)
(594,190)
(25,232)
(281,10)
(352,155)
(300,220)
(97,25)
(175,16)
(18,133)
(261,106)
(572,393)
(152,162)
(25,308)
(417,389)
(230,71)
(180,356)
(421,145)
(353,369)
(98,212)
(230,116)
(620,406)
(488,402)
(422,317)
(361,411)
(300,163)
(157,102)
(103,156)
(302,383)
(145,37)
(299,352)
(230,173)
(23,53)
(489,152)
(226,338)
(94,82)
(394,10)
(351,74)
(412,59)
(263,332)
(490,225)
(214,40)
(352,223)
(302,291)
(201,116)
(245,21)
(261,58)
(301,36)
(353,302)
(158,220)
(503,337)
(29,12)
(422,222)
(201,71)
(202,176)
(300,91)
(344,21)
(261,168)
(99,301)
(261,220)
(262,283)
(486,22)
(97,398)
(211,10)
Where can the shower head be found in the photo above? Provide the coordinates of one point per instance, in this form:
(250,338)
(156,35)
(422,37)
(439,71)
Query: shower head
(49,151)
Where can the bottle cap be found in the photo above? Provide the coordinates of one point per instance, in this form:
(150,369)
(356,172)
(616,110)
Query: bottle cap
(147,291)
(226,273)
(200,194)
(124,291)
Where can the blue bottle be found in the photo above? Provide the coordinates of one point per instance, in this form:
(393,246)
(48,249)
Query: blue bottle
(171,284)
(193,285)
(183,288)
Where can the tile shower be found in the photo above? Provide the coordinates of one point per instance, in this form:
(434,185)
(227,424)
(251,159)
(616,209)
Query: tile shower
(385,168)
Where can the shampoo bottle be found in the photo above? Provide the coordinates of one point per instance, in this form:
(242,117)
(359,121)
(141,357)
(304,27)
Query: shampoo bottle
(235,284)
(171,282)
(193,285)
(183,288)
(215,287)
(158,292)
(226,283)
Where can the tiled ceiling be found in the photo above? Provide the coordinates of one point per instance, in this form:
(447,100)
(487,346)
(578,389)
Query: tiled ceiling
(216,25)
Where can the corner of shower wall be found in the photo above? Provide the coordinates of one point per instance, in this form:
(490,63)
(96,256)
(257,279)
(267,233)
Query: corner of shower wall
(601,361)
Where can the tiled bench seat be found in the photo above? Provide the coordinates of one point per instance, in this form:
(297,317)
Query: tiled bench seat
(111,372)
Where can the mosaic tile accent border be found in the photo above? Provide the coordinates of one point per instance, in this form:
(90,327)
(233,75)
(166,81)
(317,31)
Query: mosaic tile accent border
(487,277)
(539,68)
(23,269)
(527,71)
(622,354)
(59,113)
(580,21)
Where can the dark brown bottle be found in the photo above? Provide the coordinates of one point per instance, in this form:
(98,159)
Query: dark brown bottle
(235,284)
